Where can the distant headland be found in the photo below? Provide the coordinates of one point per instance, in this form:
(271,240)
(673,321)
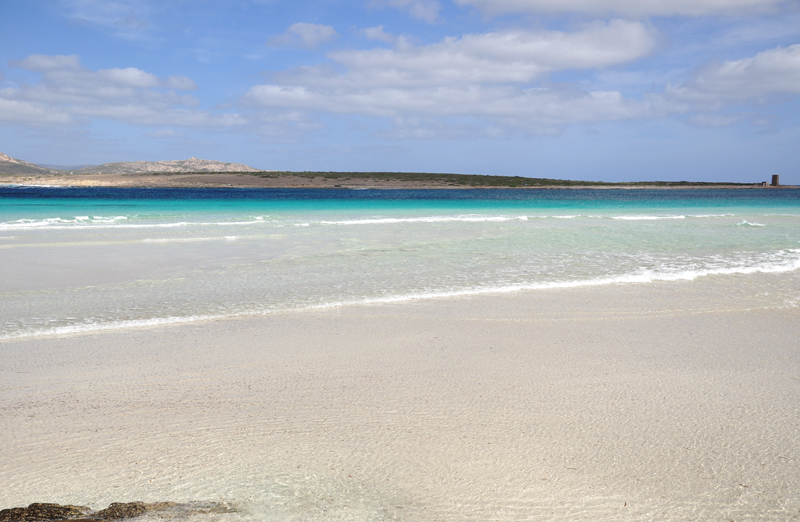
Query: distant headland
(195,172)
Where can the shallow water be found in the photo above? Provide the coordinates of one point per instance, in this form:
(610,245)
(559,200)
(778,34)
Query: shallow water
(605,403)
(670,401)
(77,259)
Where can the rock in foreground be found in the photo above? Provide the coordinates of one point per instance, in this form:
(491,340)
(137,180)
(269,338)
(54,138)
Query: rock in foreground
(43,512)
(40,512)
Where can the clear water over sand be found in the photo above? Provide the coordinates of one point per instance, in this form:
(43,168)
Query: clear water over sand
(83,259)
(669,401)
(505,355)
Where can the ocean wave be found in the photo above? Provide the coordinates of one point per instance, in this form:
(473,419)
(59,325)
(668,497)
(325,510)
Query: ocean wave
(779,262)
(141,222)
(110,325)
(636,217)
(429,219)
(57,222)
(647,218)
(775,265)
(84,222)
(669,216)
(749,224)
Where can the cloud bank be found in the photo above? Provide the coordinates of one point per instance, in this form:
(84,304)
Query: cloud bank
(69,93)
(488,83)
(624,8)
(488,76)
(304,35)
(755,80)
(426,10)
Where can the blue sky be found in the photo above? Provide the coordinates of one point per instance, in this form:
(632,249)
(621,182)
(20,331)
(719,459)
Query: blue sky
(573,89)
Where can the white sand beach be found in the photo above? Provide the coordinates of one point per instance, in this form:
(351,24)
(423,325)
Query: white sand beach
(665,401)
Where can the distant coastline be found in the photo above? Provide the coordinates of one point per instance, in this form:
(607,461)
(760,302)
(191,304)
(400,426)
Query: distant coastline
(194,172)
(341,180)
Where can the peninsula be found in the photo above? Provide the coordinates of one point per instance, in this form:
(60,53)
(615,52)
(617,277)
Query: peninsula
(195,172)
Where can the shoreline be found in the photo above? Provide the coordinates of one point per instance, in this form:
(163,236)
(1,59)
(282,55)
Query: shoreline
(239,180)
(673,400)
(497,292)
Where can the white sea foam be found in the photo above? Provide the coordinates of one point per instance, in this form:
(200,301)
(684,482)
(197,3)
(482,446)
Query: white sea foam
(749,224)
(429,219)
(84,222)
(643,276)
(647,218)
(110,325)
(637,217)
(119,222)
(57,222)
(782,261)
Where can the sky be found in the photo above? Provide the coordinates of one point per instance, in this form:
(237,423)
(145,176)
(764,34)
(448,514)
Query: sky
(613,90)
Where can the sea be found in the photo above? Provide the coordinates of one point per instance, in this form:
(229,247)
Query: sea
(83,259)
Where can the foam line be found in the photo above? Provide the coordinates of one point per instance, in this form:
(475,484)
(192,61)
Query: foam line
(431,219)
(644,276)
(100,222)
(111,325)
(647,218)
(52,224)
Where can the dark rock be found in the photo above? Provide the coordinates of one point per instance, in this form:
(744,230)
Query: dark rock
(43,512)
(119,510)
(116,511)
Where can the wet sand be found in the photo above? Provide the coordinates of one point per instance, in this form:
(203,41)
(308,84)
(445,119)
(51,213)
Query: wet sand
(666,401)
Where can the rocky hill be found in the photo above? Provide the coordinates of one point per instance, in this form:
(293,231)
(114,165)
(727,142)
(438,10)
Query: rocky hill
(12,166)
(187,165)
(66,167)
(9,165)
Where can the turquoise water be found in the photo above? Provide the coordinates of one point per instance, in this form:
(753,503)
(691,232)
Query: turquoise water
(75,259)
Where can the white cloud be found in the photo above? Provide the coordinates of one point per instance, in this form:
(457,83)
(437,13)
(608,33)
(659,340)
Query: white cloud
(492,58)
(304,35)
(42,63)
(485,76)
(538,110)
(426,10)
(127,19)
(377,33)
(181,83)
(626,8)
(758,79)
(128,77)
(498,82)
(68,93)
(31,113)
